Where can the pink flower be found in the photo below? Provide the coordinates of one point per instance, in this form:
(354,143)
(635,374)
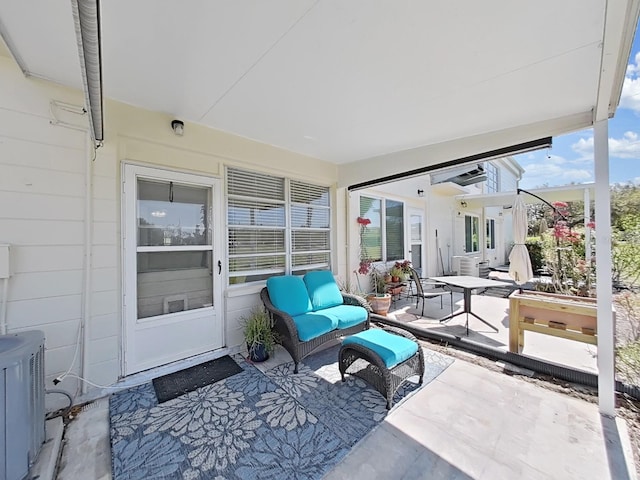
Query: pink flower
(364,267)
(591,225)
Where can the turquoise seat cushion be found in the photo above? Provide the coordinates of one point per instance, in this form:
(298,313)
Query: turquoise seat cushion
(346,315)
(323,290)
(392,349)
(313,324)
(289,294)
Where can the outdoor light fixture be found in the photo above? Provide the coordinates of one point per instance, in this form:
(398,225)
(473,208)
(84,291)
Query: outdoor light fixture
(463,204)
(178,127)
(420,192)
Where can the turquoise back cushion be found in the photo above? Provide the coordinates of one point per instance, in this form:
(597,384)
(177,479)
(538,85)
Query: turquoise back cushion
(323,290)
(289,293)
(392,349)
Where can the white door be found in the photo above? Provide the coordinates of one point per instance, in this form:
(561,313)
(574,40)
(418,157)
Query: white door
(416,235)
(172,291)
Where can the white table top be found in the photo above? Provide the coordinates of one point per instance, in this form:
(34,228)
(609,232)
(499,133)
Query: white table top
(464,281)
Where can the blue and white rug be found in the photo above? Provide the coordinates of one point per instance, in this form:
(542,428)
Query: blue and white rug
(253,425)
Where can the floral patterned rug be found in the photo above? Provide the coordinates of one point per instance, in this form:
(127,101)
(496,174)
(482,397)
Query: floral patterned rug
(253,425)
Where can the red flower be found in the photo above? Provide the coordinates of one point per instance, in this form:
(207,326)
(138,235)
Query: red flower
(591,225)
(364,267)
(363,221)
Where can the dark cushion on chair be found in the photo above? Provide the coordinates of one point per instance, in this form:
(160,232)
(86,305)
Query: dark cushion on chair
(289,294)
(313,324)
(323,290)
(347,315)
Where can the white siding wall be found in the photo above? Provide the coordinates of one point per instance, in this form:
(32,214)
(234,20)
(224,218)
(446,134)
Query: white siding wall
(42,193)
(508,179)
(42,212)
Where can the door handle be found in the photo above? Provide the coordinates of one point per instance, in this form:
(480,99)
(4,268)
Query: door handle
(219,267)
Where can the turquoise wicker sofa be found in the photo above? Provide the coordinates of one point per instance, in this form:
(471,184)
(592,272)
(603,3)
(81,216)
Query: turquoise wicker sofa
(310,311)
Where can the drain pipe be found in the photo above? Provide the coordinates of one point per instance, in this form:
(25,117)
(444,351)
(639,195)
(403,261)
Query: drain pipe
(538,366)
(88,255)
(3,311)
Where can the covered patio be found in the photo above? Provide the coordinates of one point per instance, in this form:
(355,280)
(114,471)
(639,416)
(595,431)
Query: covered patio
(266,119)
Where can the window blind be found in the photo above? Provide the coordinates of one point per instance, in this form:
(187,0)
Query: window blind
(271,217)
(394,223)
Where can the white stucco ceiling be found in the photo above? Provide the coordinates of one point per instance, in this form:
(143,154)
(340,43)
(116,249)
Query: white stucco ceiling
(347,81)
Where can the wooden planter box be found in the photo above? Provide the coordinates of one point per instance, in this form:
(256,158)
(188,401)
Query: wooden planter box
(563,316)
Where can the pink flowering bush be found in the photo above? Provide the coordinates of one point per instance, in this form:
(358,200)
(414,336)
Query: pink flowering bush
(564,254)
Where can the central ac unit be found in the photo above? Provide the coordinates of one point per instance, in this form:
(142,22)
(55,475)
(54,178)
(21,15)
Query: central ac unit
(21,402)
(465,265)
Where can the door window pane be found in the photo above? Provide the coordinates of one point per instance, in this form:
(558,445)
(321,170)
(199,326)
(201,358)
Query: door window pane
(471,231)
(172,214)
(170,282)
(491,233)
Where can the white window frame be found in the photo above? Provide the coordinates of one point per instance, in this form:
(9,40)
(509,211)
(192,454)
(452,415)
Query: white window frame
(493,178)
(288,230)
(383,226)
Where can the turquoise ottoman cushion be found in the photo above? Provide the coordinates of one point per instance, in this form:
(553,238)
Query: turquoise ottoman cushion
(289,294)
(392,349)
(323,290)
(346,315)
(313,324)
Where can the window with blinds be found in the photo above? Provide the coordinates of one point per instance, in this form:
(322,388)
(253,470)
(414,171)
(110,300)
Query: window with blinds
(383,239)
(275,226)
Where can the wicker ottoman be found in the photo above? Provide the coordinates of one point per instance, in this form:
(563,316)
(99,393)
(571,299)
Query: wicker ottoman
(387,360)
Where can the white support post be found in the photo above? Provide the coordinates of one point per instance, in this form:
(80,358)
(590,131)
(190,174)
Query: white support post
(606,366)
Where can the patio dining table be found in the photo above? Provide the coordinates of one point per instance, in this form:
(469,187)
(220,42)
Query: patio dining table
(469,283)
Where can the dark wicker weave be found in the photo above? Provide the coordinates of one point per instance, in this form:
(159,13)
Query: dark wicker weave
(288,332)
(374,371)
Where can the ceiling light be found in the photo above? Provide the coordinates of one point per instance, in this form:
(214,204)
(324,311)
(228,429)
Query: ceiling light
(178,127)
(159,213)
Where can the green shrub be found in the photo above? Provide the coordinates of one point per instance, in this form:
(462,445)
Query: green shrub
(535,254)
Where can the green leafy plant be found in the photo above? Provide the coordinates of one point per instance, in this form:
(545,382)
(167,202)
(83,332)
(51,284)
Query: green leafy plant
(258,330)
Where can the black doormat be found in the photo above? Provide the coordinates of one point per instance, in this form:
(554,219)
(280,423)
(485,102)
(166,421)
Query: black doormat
(187,380)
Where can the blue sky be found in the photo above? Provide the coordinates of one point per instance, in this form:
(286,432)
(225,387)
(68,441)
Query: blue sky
(570,160)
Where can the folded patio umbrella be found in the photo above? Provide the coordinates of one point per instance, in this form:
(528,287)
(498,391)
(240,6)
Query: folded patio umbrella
(519,261)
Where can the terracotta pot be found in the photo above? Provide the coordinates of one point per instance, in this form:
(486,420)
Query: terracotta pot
(380,303)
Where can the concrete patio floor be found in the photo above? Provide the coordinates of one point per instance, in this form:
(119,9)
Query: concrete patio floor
(569,353)
(469,423)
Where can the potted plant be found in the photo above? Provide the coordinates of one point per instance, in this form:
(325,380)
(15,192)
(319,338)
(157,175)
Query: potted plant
(403,269)
(379,300)
(259,335)
(396,273)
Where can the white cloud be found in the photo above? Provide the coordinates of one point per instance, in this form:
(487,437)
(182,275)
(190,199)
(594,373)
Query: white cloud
(584,147)
(555,170)
(630,97)
(626,147)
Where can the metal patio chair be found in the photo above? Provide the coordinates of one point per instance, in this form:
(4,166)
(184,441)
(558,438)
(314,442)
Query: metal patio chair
(423,288)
